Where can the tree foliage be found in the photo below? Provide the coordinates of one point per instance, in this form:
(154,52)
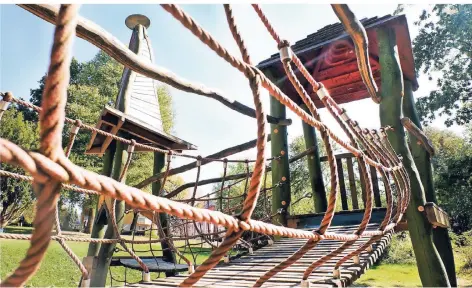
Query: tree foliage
(444,45)
(300,187)
(16,196)
(453,174)
(93,84)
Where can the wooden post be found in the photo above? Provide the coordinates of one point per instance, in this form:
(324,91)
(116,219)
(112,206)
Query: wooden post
(430,266)
(314,167)
(106,250)
(98,229)
(375,186)
(423,163)
(342,186)
(363,188)
(352,183)
(280,166)
(167,253)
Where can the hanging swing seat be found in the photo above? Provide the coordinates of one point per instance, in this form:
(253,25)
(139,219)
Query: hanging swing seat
(155,264)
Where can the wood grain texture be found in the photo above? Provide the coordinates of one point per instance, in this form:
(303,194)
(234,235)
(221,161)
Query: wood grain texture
(244,271)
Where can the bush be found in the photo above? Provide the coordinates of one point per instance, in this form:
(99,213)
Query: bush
(400,250)
(467,257)
(461,240)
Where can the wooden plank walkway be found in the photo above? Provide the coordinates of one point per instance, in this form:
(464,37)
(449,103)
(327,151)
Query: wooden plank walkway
(244,271)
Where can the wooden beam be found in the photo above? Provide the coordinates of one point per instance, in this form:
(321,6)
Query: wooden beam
(422,159)
(314,167)
(218,155)
(233,177)
(106,250)
(113,131)
(168,254)
(342,186)
(356,30)
(280,166)
(430,266)
(352,183)
(111,45)
(436,216)
(419,135)
(375,186)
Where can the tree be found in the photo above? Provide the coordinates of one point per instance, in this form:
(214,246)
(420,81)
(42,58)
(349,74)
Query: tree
(17,196)
(71,218)
(94,84)
(452,174)
(302,202)
(444,45)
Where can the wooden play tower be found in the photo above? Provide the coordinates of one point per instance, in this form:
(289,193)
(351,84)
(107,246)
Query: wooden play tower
(252,240)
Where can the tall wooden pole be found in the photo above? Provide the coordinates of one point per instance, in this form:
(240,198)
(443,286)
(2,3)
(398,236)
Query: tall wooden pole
(430,266)
(98,229)
(314,167)
(280,165)
(167,253)
(423,163)
(106,250)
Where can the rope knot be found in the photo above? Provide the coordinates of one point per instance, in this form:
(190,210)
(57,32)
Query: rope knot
(283,44)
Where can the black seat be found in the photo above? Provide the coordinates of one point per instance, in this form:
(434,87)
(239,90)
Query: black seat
(155,264)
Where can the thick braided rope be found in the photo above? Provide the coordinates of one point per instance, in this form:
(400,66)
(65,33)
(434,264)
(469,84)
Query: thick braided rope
(367,211)
(387,217)
(329,214)
(259,166)
(32,162)
(274,91)
(252,227)
(304,96)
(316,86)
(51,124)
(72,255)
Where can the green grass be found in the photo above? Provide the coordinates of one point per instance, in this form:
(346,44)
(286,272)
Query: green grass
(57,269)
(406,275)
(390,275)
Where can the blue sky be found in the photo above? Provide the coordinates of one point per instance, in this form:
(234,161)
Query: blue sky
(25,42)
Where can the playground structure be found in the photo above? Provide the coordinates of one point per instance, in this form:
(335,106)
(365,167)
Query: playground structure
(259,216)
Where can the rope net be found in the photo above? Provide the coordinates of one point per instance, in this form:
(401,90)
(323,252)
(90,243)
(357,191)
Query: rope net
(202,229)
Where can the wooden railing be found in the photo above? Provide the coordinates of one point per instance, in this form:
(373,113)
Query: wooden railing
(352,176)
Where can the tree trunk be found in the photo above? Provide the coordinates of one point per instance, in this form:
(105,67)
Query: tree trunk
(314,167)
(423,163)
(430,266)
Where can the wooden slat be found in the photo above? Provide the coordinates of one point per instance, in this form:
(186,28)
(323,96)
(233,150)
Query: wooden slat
(113,131)
(342,186)
(362,183)
(375,186)
(352,183)
(436,215)
(244,271)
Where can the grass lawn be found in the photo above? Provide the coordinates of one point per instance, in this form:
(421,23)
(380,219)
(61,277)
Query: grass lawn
(58,270)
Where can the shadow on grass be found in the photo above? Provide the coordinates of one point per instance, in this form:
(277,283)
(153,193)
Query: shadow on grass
(18,230)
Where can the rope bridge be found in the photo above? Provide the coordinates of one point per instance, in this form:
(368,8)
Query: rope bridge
(238,223)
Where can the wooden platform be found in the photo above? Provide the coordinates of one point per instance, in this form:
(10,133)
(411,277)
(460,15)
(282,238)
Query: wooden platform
(243,272)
